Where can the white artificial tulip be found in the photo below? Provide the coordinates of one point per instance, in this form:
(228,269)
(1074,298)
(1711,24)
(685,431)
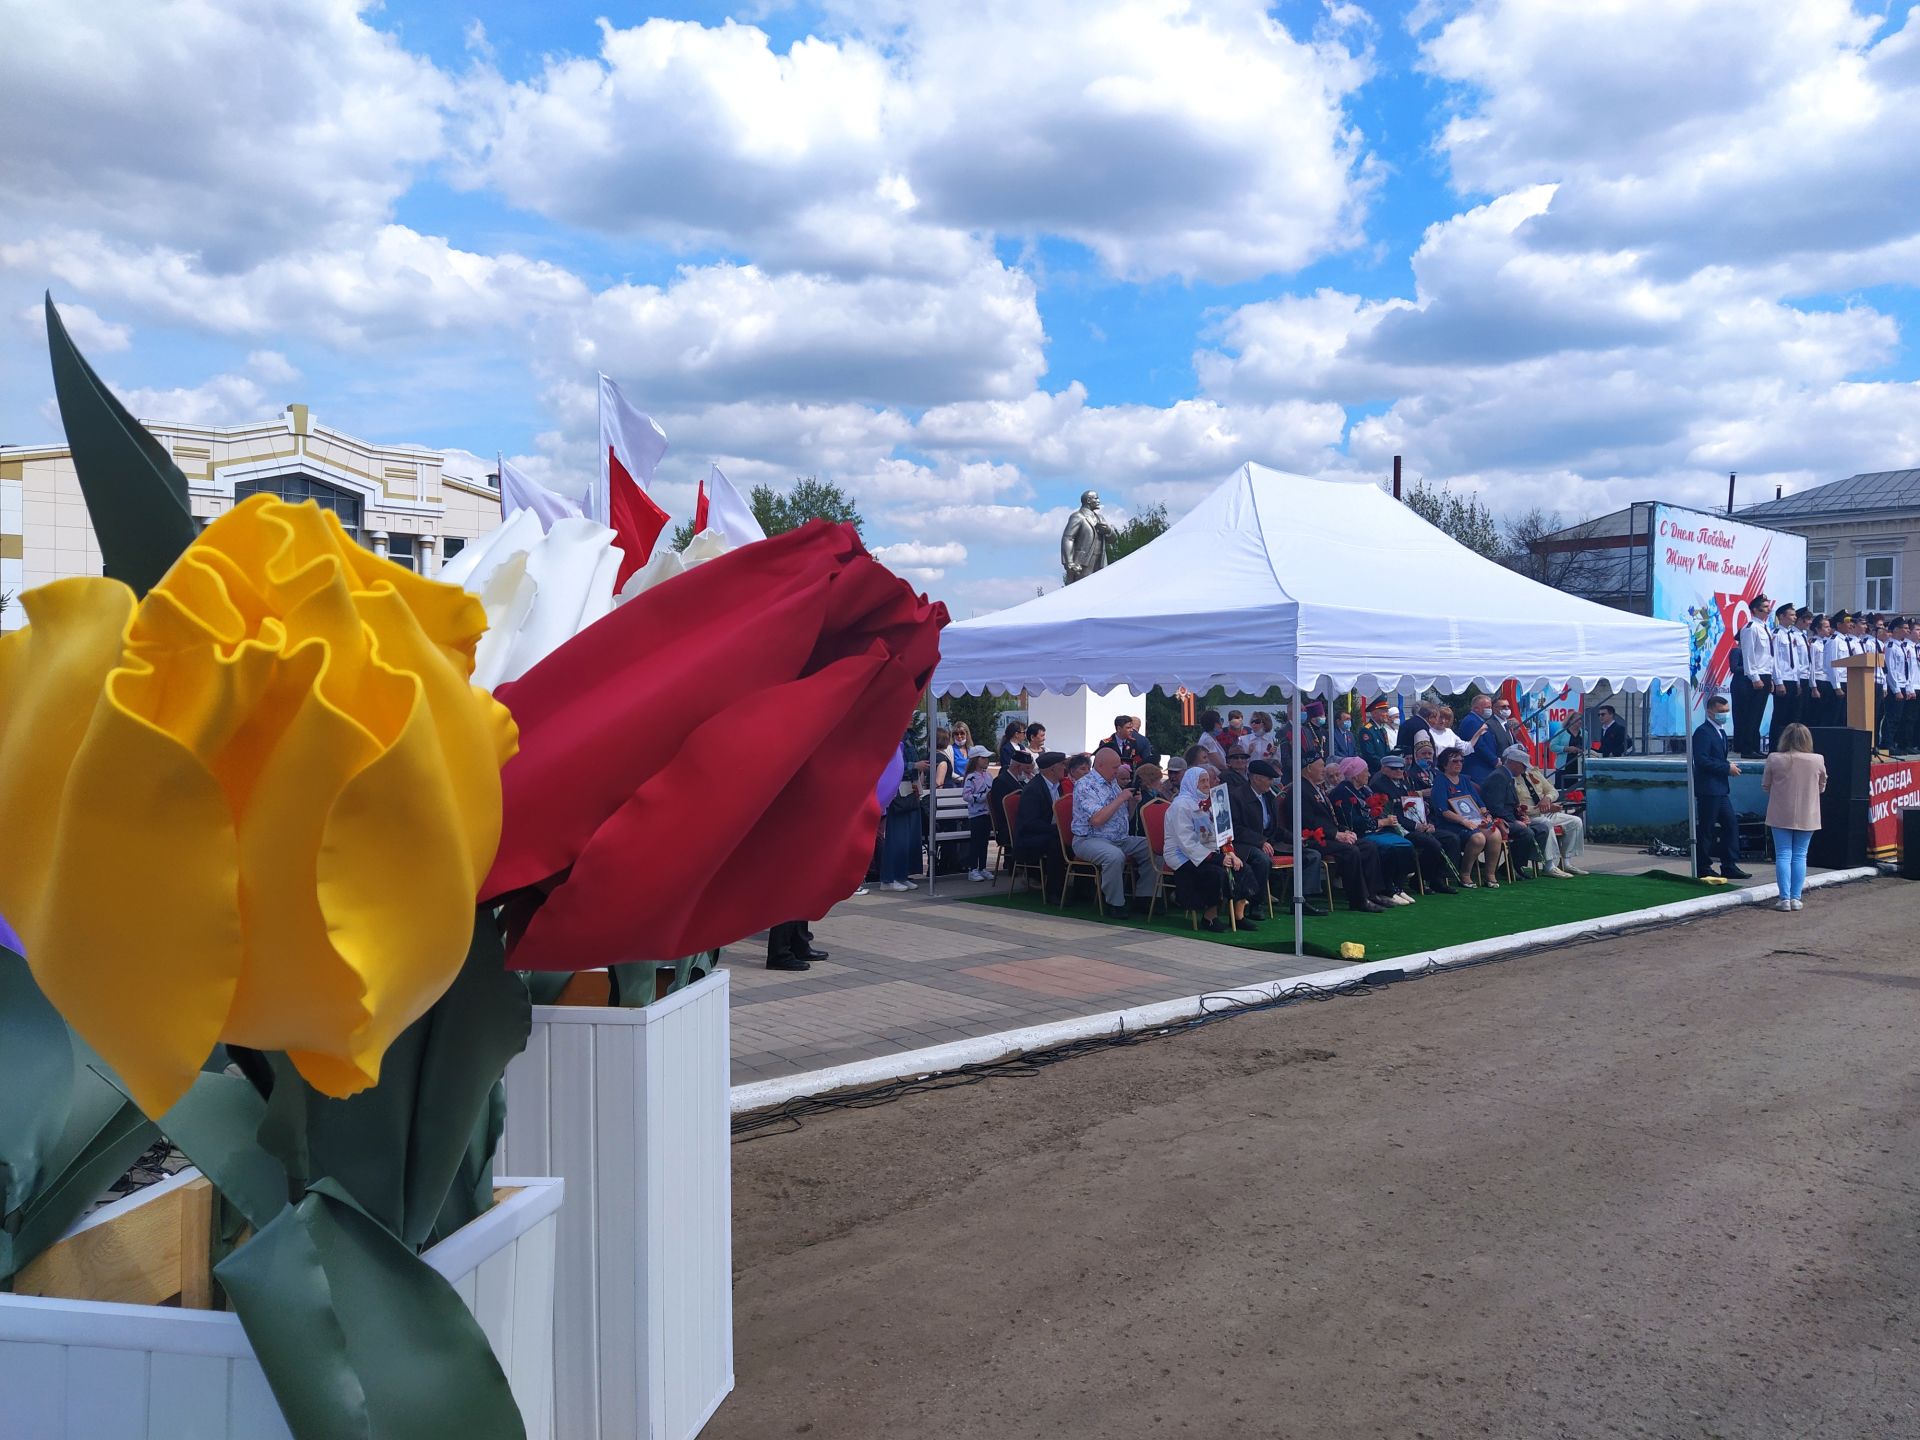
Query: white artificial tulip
(541,589)
(669,562)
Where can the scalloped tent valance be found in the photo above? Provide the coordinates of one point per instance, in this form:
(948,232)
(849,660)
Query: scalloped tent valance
(1275,579)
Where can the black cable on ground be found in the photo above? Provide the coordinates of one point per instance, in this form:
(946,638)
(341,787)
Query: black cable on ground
(786,1118)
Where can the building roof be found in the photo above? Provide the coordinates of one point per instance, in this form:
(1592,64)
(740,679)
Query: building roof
(1878,490)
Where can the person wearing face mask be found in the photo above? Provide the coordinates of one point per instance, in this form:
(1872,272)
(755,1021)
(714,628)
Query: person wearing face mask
(1715,825)
(1481,739)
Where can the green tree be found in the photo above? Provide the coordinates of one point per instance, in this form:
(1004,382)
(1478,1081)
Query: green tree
(1143,527)
(810,499)
(1464,517)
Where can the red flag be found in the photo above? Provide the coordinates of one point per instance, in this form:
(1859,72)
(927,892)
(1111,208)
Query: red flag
(700,510)
(636,520)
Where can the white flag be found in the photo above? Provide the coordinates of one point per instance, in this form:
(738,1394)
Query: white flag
(722,509)
(517,492)
(628,439)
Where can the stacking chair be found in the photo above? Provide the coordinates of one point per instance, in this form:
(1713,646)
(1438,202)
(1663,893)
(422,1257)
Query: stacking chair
(1154,818)
(1020,867)
(1063,828)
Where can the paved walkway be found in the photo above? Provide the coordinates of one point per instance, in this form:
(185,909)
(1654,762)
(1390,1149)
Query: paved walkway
(908,971)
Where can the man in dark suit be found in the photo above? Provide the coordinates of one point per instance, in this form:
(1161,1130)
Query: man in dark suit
(1502,795)
(1359,865)
(1613,735)
(790,946)
(1272,819)
(1715,824)
(1014,776)
(1126,738)
(1036,836)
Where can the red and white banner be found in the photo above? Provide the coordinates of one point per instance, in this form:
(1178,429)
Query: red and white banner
(1890,789)
(631,445)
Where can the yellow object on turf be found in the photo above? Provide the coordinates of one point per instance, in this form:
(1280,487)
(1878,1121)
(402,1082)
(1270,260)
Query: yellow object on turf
(255,805)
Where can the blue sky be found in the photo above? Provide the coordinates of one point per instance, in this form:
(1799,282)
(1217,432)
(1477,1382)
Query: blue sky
(966,261)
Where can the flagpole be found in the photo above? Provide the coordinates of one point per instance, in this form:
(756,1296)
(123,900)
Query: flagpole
(1299,840)
(933,807)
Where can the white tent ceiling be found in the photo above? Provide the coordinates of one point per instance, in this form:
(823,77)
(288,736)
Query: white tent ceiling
(1275,579)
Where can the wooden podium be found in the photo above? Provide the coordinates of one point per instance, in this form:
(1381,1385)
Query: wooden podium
(1860,691)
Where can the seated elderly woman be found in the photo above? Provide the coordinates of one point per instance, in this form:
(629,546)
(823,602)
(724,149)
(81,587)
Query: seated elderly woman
(1366,815)
(1430,849)
(1457,808)
(1203,877)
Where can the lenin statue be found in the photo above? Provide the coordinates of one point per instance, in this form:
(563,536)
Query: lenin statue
(1083,544)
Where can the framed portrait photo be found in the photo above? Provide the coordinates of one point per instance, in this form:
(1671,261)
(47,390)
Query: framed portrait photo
(1467,808)
(1222,813)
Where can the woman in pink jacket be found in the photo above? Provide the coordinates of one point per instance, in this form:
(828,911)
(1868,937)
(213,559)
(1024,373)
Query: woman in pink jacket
(1794,779)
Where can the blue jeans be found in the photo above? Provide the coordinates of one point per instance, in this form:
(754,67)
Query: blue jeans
(900,846)
(1790,860)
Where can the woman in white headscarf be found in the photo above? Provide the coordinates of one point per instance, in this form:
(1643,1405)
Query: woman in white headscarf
(1203,876)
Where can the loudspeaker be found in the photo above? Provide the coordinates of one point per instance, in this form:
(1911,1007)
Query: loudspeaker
(1841,841)
(1849,758)
(1910,843)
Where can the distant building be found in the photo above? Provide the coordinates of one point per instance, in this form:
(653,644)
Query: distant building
(416,506)
(1858,533)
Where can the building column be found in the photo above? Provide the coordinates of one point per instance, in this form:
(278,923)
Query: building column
(379,539)
(425,555)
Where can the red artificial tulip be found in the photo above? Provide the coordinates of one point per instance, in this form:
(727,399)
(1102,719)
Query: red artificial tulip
(699,764)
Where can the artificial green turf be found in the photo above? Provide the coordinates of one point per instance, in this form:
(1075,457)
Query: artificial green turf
(1432,922)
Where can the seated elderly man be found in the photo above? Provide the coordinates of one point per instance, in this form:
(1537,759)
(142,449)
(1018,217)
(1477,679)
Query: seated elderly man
(1562,834)
(1102,820)
(1501,792)
(1036,839)
(1273,815)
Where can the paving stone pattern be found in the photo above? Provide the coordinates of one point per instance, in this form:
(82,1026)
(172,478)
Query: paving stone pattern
(909,971)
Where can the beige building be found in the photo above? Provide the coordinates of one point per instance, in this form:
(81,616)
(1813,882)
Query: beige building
(414,505)
(1858,533)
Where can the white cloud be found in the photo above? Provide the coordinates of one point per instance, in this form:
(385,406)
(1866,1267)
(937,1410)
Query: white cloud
(226,131)
(1692,131)
(1002,524)
(391,283)
(90,331)
(1061,435)
(737,332)
(272,367)
(1170,138)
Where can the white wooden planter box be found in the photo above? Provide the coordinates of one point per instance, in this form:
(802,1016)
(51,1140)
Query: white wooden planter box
(83,1370)
(630,1106)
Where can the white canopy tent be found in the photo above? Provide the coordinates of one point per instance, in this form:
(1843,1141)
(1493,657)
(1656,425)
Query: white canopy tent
(1276,579)
(1314,586)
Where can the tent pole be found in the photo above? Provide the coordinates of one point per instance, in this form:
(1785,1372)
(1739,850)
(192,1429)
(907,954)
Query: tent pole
(933,808)
(1299,842)
(1693,810)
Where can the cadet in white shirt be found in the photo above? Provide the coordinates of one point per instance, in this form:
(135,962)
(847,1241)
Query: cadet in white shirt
(1751,695)
(1788,655)
(1909,736)
(1898,699)
(1839,647)
(1813,706)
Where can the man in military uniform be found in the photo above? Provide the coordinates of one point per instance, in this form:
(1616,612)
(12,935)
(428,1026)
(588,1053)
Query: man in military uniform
(1083,544)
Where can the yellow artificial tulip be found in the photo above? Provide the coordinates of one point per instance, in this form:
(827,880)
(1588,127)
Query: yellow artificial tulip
(254,806)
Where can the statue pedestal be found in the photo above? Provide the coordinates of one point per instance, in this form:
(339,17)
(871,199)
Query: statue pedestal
(1080,721)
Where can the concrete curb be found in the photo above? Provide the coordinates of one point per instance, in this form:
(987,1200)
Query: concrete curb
(936,1059)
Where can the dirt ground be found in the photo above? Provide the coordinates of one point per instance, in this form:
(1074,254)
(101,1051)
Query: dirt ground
(1660,1185)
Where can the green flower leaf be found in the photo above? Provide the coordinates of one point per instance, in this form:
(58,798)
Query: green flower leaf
(359,1337)
(135,494)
